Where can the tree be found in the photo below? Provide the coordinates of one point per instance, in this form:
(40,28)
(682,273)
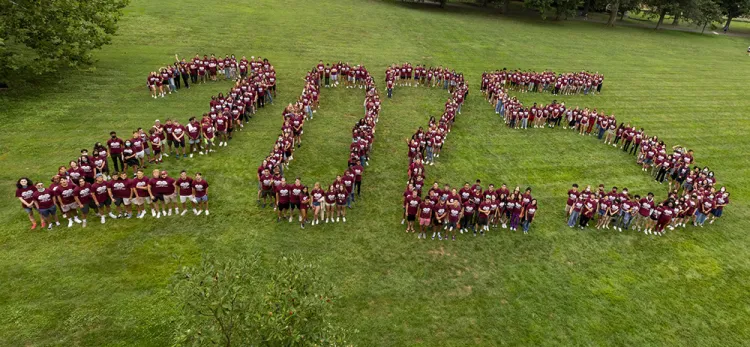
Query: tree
(704,12)
(662,7)
(242,303)
(563,8)
(42,36)
(733,9)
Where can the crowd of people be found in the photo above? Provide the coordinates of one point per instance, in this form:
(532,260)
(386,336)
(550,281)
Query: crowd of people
(557,84)
(690,205)
(451,210)
(468,209)
(76,195)
(401,75)
(666,165)
(327,203)
(89,177)
(169,78)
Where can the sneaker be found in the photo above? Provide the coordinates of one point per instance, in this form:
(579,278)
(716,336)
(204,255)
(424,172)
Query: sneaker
(33,225)
(191,155)
(140,215)
(70,223)
(195,212)
(403,221)
(103,219)
(454,237)
(337,219)
(343,219)
(199,213)
(505,226)
(57,224)
(302,225)
(49,227)
(206,212)
(183,212)
(128,215)
(113,216)
(169,212)
(75,219)
(83,223)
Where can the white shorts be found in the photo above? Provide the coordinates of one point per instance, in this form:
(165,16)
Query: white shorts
(70,206)
(184,198)
(140,200)
(126,201)
(140,155)
(170,198)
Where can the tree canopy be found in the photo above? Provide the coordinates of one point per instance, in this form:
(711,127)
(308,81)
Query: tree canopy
(43,35)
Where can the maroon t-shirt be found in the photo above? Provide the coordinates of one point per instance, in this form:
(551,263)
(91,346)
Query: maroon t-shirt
(115,145)
(120,188)
(67,194)
(412,205)
(453,213)
(84,193)
(138,183)
(200,187)
(296,190)
(100,191)
(27,194)
(284,193)
(266,182)
(186,186)
(163,186)
(44,198)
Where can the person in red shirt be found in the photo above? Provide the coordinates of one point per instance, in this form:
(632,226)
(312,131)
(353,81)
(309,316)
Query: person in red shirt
(25,193)
(283,196)
(411,205)
(304,205)
(184,186)
(84,199)
(101,198)
(200,192)
(342,196)
(121,193)
(139,185)
(44,202)
(425,216)
(66,197)
(294,198)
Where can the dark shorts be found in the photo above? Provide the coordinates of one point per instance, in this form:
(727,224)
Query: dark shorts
(106,202)
(158,197)
(411,217)
(717,212)
(48,211)
(294,205)
(178,144)
(266,193)
(283,206)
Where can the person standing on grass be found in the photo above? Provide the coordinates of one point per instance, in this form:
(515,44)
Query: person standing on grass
(66,197)
(283,193)
(25,194)
(44,202)
(330,203)
(589,207)
(200,191)
(265,182)
(139,184)
(294,198)
(184,186)
(101,198)
(115,146)
(83,198)
(441,214)
(342,196)
(121,193)
(572,197)
(721,200)
(425,216)
(304,205)
(317,198)
(528,215)
(484,215)
(411,205)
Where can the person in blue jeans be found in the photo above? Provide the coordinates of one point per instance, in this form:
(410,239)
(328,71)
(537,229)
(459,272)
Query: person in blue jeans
(528,215)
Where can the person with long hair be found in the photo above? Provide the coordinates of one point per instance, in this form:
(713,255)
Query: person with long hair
(304,205)
(528,215)
(25,194)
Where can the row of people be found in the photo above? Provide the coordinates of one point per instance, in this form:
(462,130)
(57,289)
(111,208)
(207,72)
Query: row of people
(352,76)
(136,152)
(76,198)
(620,210)
(468,209)
(166,79)
(401,75)
(555,83)
(271,171)
(651,154)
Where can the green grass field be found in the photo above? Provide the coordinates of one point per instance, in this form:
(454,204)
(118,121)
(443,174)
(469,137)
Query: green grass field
(108,285)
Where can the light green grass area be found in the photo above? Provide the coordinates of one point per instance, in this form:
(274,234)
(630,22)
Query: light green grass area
(108,285)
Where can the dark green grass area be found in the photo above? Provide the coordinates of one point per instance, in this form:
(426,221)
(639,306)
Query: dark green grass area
(108,285)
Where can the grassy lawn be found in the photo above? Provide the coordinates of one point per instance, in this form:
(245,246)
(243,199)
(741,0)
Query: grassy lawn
(107,285)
